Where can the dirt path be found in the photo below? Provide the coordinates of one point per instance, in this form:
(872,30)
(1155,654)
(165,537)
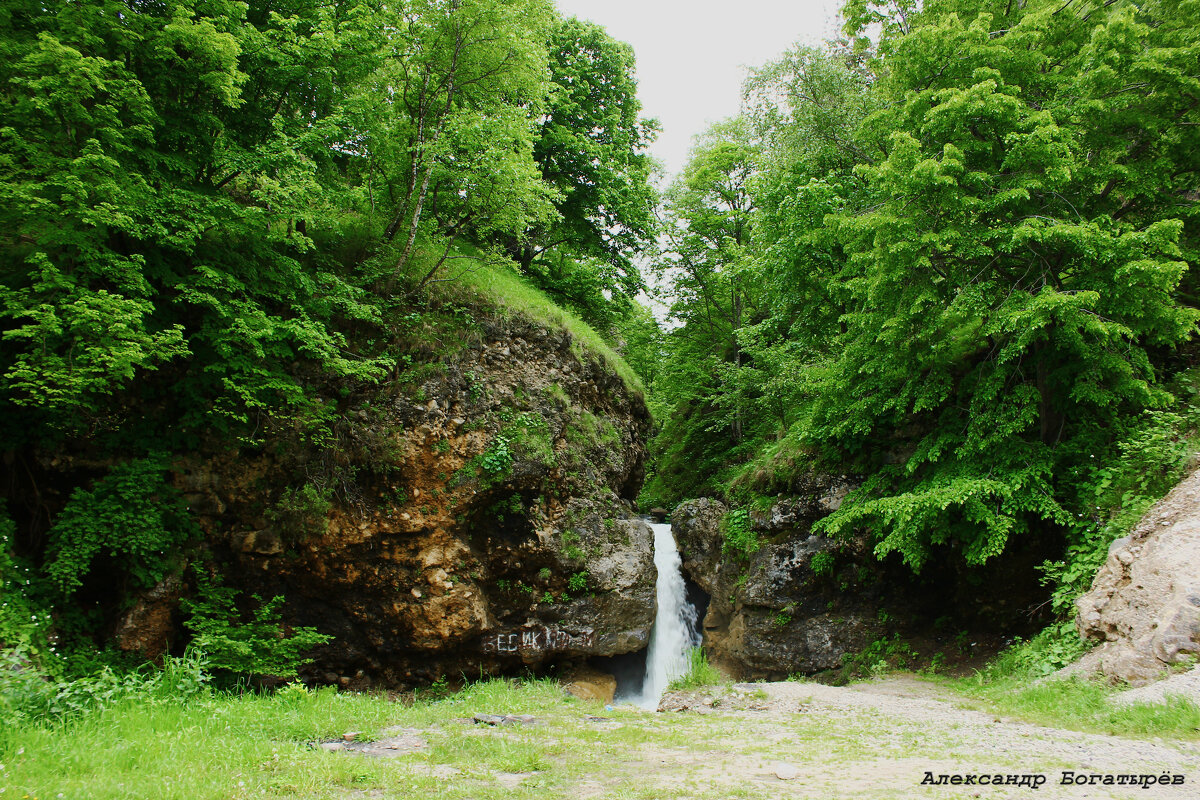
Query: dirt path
(887,740)
(879,740)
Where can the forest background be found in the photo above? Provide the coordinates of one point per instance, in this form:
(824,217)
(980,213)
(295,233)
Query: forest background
(947,254)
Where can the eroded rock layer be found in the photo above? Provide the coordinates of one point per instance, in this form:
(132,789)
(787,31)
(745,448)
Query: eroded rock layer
(798,604)
(473,515)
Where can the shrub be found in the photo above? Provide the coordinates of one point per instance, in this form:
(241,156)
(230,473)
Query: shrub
(578,582)
(1054,648)
(22,620)
(300,513)
(29,694)
(258,647)
(132,515)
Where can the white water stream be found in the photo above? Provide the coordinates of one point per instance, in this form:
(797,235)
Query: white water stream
(674,632)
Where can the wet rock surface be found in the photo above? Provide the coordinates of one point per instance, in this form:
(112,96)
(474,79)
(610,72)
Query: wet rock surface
(795,605)
(1144,604)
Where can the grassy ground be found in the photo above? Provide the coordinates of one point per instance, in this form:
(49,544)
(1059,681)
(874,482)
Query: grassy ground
(502,287)
(267,746)
(1081,705)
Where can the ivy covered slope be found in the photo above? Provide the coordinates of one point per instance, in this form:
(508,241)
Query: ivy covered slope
(957,261)
(272,323)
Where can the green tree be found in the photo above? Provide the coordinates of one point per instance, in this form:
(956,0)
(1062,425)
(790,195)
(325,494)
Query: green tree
(703,266)
(591,147)
(453,133)
(1002,302)
(151,192)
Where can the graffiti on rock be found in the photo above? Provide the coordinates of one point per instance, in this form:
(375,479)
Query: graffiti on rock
(537,640)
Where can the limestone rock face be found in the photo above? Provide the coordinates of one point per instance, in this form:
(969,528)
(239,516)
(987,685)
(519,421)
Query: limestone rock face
(797,605)
(696,525)
(1144,604)
(472,516)
(587,683)
(146,628)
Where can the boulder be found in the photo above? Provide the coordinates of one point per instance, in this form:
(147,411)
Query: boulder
(796,605)
(477,517)
(1144,604)
(587,683)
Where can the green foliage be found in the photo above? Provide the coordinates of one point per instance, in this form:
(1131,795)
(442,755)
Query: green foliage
(23,621)
(941,261)
(131,516)
(300,513)
(699,672)
(883,654)
(156,162)
(708,226)
(29,696)
(740,540)
(822,563)
(1149,458)
(258,646)
(578,582)
(497,459)
(591,148)
(1054,648)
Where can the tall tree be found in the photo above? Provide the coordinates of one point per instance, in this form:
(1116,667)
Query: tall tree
(1020,264)
(591,147)
(707,227)
(151,187)
(454,129)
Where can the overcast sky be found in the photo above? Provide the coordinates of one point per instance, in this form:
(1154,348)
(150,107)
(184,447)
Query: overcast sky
(691,53)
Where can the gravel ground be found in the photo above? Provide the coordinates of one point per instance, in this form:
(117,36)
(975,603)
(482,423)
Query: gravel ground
(878,740)
(1185,684)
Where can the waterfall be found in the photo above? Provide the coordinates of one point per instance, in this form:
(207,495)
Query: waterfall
(674,632)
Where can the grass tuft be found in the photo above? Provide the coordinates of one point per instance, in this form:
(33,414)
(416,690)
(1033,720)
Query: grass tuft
(700,672)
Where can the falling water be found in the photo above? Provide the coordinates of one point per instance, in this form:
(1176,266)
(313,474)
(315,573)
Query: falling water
(674,631)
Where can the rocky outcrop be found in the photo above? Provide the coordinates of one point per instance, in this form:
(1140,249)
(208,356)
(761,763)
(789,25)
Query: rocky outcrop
(471,516)
(795,605)
(1144,604)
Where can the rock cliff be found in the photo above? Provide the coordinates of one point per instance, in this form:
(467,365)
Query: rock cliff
(1144,604)
(795,605)
(471,515)
(799,603)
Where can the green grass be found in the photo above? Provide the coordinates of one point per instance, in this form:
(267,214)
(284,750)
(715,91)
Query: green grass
(223,745)
(1081,705)
(700,672)
(503,288)
(1016,684)
(257,746)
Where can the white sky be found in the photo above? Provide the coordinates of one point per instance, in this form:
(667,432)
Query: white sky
(690,55)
